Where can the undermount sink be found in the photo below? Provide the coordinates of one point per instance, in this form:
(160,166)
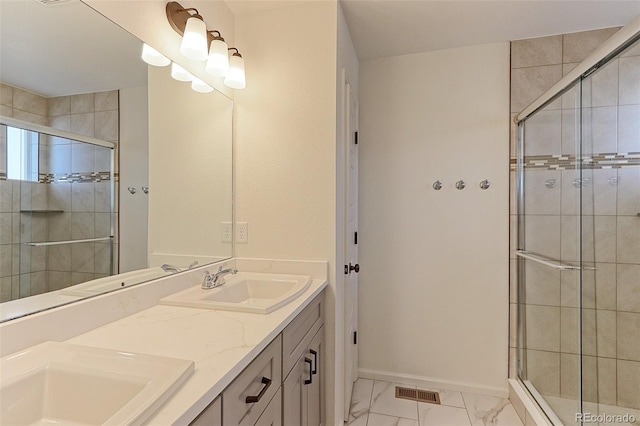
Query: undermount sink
(62,383)
(244,292)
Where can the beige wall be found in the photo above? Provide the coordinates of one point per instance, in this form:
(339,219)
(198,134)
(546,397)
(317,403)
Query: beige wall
(285,148)
(190,190)
(133,223)
(434,278)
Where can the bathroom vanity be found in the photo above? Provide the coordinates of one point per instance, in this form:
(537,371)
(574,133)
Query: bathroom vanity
(249,368)
(283,384)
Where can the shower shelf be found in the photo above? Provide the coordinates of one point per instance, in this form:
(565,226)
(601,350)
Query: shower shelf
(552,263)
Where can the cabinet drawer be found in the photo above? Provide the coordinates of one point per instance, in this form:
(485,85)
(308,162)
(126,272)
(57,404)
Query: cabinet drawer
(298,334)
(272,415)
(210,416)
(260,379)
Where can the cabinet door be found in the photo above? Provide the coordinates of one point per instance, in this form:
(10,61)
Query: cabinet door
(272,415)
(294,395)
(302,390)
(210,416)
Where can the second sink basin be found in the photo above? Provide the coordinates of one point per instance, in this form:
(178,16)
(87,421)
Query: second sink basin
(244,292)
(62,383)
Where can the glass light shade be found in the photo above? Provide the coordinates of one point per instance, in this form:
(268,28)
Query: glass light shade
(179,73)
(194,40)
(152,57)
(200,86)
(218,62)
(235,77)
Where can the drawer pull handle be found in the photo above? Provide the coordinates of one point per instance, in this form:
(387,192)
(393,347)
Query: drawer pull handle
(254,399)
(310,380)
(315,361)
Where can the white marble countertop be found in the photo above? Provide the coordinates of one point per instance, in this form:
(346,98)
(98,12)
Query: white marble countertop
(222,344)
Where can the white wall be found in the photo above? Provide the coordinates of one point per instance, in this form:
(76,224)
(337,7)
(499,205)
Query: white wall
(434,277)
(285,148)
(134,172)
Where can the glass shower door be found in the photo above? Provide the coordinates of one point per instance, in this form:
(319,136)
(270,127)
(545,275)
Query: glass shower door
(549,246)
(610,210)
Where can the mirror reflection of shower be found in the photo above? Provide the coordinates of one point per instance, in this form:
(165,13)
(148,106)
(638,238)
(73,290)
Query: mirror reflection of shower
(57,204)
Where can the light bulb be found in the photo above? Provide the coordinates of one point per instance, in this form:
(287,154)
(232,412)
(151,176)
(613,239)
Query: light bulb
(179,73)
(194,40)
(152,57)
(218,62)
(200,86)
(235,77)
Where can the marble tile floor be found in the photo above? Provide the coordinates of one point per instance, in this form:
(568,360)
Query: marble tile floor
(373,403)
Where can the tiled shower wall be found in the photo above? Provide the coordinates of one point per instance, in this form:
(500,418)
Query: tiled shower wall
(611,295)
(85,206)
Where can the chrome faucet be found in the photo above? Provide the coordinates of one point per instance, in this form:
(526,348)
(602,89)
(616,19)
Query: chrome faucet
(174,269)
(215,280)
(170,268)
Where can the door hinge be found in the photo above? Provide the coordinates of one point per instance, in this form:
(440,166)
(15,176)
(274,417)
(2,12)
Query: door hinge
(356,138)
(355,237)
(355,337)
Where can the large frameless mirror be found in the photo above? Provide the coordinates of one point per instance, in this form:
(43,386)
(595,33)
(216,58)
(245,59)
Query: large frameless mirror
(107,166)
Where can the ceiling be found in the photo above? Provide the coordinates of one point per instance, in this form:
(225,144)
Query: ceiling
(66,48)
(73,49)
(382,28)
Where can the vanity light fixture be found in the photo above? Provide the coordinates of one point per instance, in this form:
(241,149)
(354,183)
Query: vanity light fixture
(152,57)
(179,73)
(188,23)
(218,61)
(199,44)
(200,86)
(235,77)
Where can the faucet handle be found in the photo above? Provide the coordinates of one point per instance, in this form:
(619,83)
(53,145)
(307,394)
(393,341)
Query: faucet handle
(207,282)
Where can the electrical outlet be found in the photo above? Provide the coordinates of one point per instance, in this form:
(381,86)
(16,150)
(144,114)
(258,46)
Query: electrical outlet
(226,231)
(242,232)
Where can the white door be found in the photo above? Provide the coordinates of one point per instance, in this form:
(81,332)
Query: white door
(351,246)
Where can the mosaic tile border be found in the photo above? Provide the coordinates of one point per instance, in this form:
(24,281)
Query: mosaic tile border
(570,162)
(85,177)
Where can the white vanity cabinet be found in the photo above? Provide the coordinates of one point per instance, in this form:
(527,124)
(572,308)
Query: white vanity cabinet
(283,385)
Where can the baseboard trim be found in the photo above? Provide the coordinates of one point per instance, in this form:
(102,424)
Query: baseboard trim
(429,382)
